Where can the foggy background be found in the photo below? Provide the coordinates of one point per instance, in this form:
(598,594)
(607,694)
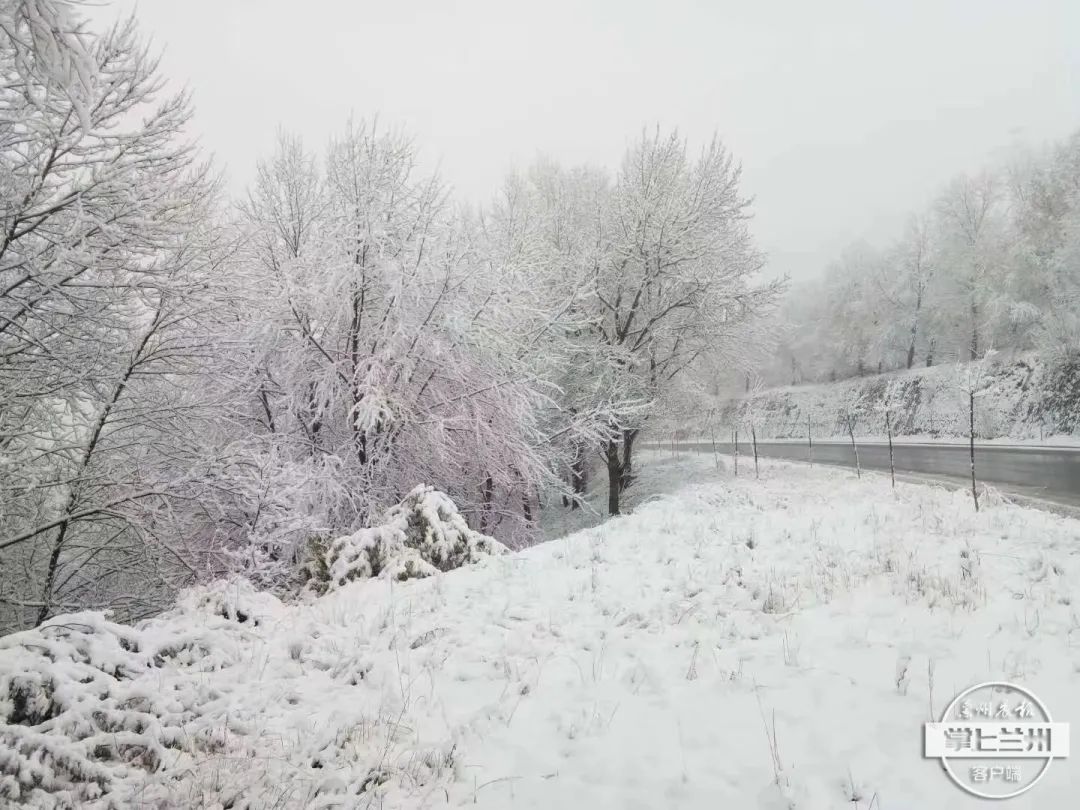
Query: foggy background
(846,115)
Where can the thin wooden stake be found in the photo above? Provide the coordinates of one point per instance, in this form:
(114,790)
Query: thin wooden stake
(753,436)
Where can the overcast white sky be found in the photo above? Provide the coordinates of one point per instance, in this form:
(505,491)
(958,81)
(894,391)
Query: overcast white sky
(845,114)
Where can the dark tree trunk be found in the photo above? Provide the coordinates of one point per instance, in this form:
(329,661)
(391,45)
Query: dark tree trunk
(930,353)
(264,400)
(487,497)
(50,576)
(315,423)
(526,503)
(627,475)
(614,470)
(526,507)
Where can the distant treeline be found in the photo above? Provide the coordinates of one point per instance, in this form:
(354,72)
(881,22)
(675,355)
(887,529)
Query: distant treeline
(1024,397)
(992,262)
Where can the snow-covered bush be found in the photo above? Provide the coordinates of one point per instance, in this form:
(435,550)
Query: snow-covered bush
(78,714)
(87,704)
(420,536)
(235,599)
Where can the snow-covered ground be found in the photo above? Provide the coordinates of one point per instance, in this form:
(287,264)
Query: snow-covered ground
(643,663)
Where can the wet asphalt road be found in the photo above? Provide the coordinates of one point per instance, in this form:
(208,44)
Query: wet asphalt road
(1046,473)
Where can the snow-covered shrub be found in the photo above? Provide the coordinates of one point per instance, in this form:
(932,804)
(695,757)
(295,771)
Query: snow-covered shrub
(420,536)
(235,599)
(77,713)
(314,570)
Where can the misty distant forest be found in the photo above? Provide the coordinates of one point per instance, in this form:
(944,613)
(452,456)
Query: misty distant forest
(991,263)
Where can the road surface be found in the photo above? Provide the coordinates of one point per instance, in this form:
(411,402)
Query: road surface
(1041,472)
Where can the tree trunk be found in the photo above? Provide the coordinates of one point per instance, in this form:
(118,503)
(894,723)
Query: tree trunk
(526,503)
(914,329)
(855,447)
(614,469)
(809,441)
(888,432)
(526,507)
(627,476)
(264,400)
(88,453)
(315,422)
(971,446)
(487,497)
(736,452)
(974,330)
(712,438)
(930,353)
(50,576)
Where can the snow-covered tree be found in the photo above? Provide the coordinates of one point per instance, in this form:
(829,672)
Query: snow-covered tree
(911,273)
(992,261)
(973,234)
(380,363)
(855,312)
(675,279)
(108,273)
(548,232)
(1046,215)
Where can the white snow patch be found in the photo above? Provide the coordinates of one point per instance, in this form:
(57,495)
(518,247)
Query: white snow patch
(742,643)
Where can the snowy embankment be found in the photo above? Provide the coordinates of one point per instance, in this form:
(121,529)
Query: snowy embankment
(742,643)
(1021,400)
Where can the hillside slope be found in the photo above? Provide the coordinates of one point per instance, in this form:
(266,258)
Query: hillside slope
(643,663)
(1021,398)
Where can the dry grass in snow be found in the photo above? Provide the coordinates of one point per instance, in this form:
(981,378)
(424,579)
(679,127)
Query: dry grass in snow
(772,643)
